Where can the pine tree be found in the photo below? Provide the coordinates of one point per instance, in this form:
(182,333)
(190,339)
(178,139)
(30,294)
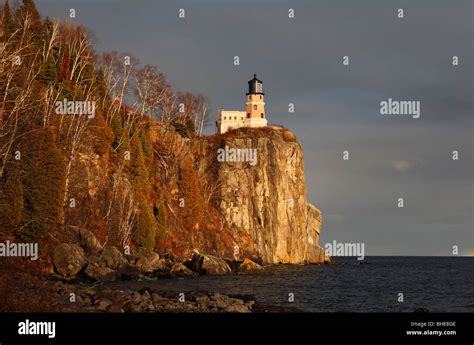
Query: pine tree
(47,29)
(147,145)
(190,190)
(138,168)
(161,217)
(43,167)
(48,71)
(101,85)
(8,24)
(11,199)
(145,228)
(29,8)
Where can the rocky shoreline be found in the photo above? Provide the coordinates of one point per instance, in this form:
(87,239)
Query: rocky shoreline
(105,299)
(83,268)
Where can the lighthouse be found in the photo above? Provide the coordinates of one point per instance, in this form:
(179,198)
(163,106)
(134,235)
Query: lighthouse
(255,99)
(254,116)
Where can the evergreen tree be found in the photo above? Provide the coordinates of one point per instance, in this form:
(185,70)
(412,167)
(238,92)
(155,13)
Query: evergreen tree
(47,29)
(147,146)
(44,178)
(138,168)
(161,217)
(48,71)
(190,190)
(11,198)
(29,8)
(145,228)
(101,85)
(8,24)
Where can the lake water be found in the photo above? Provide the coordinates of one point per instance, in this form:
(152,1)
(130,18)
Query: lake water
(439,284)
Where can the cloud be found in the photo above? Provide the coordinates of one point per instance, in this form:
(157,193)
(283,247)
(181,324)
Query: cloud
(401,166)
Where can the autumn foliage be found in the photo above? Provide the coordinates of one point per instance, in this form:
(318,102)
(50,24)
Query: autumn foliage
(111,172)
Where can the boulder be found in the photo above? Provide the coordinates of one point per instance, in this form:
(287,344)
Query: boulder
(112,258)
(237,308)
(85,239)
(68,259)
(180,269)
(249,266)
(208,264)
(128,273)
(103,305)
(148,261)
(99,272)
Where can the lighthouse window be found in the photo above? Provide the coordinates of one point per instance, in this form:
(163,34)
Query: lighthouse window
(260,96)
(225,118)
(259,87)
(255,107)
(262,115)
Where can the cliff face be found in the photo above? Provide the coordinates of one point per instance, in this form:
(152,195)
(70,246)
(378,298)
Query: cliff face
(264,203)
(256,209)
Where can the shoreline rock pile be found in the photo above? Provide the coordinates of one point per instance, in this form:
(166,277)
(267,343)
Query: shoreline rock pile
(86,259)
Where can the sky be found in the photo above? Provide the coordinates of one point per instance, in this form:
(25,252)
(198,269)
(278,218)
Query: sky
(337,106)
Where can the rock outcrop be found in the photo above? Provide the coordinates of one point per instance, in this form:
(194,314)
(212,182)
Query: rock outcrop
(265,204)
(180,270)
(148,261)
(314,252)
(86,239)
(68,259)
(208,264)
(112,258)
(251,209)
(248,266)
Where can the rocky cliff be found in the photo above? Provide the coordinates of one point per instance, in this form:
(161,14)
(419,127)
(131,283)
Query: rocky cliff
(194,198)
(264,201)
(235,208)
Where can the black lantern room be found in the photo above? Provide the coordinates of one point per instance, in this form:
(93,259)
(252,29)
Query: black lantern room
(255,86)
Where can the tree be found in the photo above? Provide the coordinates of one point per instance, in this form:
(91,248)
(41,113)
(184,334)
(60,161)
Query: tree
(137,167)
(64,72)
(44,176)
(29,9)
(49,72)
(102,91)
(145,227)
(8,24)
(11,199)
(191,192)
(145,140)
(151,90)
(161,217)
(196,112)
(145,232)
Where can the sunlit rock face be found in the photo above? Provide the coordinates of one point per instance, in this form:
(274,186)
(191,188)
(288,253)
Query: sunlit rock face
(263,200)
